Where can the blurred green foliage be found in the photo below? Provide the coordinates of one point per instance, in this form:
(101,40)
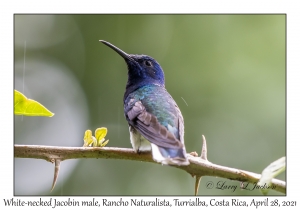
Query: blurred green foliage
(230,70)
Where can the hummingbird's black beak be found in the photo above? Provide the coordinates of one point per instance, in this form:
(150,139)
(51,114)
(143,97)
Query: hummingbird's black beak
(119,51)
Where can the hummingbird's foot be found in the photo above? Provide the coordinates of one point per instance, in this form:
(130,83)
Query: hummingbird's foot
(195,154)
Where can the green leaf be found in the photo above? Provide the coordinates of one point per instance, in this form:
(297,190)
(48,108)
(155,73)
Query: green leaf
(100,133)
(29,107)
(270,172)
(88,138)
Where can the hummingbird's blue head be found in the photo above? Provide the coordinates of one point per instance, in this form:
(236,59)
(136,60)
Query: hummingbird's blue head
(142,69)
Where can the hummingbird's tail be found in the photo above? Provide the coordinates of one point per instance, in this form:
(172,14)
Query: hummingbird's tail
(167,156)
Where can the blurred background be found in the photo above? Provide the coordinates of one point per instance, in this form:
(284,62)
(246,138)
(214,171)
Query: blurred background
(226,73)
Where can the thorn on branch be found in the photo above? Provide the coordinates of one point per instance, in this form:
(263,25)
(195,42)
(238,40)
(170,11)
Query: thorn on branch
(56,170)
(203,157)
(204,149)
(197,184)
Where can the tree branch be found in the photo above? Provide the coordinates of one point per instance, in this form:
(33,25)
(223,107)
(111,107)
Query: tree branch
(199,166)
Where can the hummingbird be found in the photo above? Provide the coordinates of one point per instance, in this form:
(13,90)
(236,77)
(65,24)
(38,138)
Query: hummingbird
(155,121)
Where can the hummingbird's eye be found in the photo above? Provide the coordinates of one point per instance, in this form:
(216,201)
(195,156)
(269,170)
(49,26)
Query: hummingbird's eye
(148,63)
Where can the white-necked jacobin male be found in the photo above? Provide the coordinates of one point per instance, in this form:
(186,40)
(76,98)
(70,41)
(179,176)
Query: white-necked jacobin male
(155,121)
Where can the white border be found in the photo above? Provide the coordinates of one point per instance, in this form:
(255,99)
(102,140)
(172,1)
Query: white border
(154,6)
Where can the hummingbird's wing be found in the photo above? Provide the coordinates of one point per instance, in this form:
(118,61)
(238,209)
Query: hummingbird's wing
(148,125)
